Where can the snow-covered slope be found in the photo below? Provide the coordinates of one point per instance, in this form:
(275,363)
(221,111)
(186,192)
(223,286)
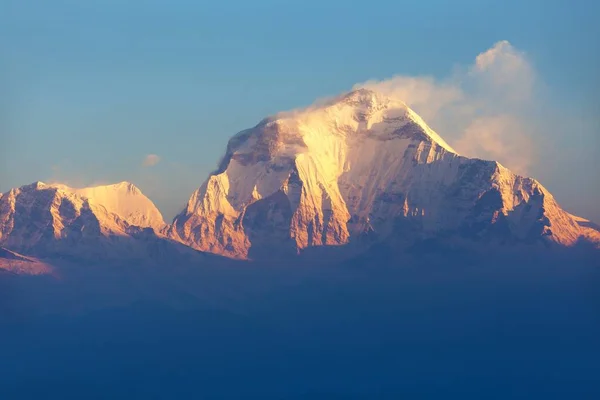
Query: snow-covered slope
(359,167)
(123,199)
(53,219)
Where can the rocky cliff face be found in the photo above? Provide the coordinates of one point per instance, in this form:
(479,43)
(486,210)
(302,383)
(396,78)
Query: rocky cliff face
(361,166)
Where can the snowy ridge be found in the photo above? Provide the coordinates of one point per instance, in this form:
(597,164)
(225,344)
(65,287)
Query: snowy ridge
(123,199)
(54,219)
(358,165)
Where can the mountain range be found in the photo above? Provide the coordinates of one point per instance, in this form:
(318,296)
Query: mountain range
(360,170)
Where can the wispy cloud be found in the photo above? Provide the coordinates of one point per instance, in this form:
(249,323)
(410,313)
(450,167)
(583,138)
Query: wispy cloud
(150,160)
(485,110)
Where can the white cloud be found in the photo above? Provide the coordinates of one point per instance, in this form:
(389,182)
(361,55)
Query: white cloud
(498,137)
(422,92)
(150,160)
(485,110)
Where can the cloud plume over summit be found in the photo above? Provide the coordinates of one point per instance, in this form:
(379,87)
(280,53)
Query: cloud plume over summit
(487,109)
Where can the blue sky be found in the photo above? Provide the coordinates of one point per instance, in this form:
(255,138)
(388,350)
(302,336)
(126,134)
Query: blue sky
(90,88)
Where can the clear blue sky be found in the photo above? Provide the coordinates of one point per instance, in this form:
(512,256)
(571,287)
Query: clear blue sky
(88,88)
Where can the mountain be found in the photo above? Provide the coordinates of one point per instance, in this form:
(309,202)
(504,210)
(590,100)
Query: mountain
(358,169)
(94,223)
(123,199)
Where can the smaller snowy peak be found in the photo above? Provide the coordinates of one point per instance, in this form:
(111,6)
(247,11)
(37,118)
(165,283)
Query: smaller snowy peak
(92,223)
(123,199)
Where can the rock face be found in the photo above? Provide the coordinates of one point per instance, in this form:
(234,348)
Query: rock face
(94,222)
(362,166)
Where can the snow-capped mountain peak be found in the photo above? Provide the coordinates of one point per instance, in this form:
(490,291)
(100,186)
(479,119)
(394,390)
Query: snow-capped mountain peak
(123,199)
(361,110)
(45,218)
(359,164)
(366,101)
